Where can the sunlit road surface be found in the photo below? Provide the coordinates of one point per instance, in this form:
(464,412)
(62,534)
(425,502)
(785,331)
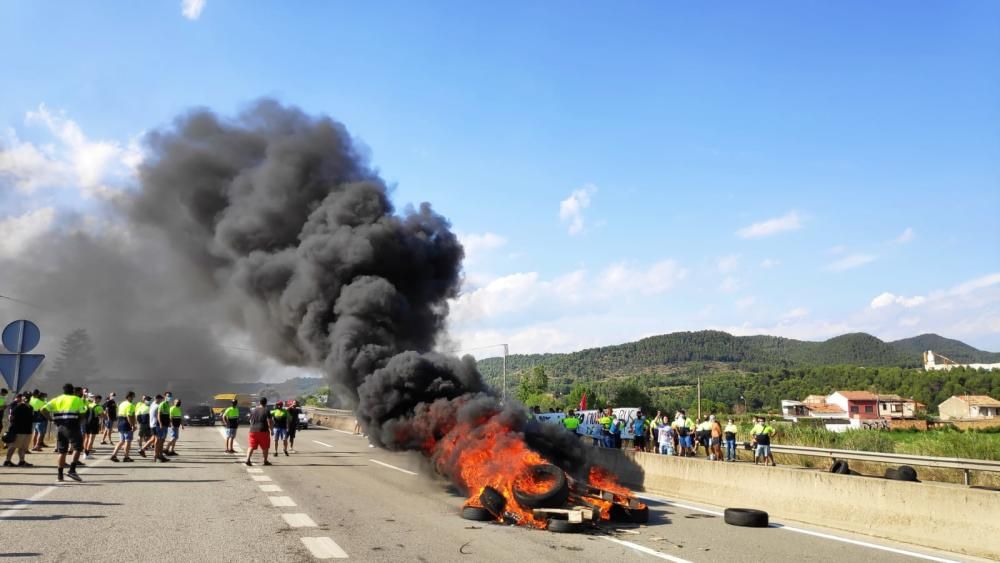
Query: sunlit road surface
(337,498)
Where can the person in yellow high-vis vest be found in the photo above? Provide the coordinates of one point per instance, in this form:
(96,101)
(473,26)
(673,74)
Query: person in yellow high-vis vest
(65,412)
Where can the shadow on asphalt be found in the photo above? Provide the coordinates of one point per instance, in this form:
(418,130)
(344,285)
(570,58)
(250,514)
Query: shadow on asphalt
(162,481)
(55,502)
(24,554)
(53,517)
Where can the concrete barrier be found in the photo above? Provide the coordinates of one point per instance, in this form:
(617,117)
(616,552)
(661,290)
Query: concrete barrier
(936,515)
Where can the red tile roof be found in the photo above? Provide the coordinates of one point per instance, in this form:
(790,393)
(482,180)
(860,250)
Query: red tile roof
(858,395)
(826,409)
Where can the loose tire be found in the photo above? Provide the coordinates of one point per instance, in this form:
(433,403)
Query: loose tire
(746,517)
(840,466)
(492,501)
(564,526)
(620,513)
(554,497)
(902,473)
(477,514)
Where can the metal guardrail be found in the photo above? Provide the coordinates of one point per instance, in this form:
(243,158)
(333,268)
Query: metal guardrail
(962,464)
(329,412)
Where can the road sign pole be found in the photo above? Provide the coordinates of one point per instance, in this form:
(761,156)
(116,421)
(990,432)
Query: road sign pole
(17,358)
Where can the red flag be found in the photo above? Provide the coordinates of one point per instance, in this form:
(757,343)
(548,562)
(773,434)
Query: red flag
(583,401)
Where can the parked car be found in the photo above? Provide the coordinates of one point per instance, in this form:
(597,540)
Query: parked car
(199,415)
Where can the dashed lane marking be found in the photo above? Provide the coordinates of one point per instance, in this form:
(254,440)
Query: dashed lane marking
(20,505)
(299,520)
(270,489)
(646,550)
(261,478)
(254,470)
(324,548)
(392,467)
(281,501)
(807,532)
(343,431)
(322,444)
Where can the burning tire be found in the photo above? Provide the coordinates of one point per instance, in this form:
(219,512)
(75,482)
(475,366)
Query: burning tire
(492,501)
(563,526)
(541,486)
(622,513)
(746,517)
(477,514)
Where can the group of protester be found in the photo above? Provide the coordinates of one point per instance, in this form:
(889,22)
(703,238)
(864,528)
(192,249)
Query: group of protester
(680,436)
(155,421)
(79,416)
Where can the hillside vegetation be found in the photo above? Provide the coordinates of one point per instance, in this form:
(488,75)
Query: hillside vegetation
(662,371)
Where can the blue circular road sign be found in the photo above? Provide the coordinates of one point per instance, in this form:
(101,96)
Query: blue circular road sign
(21,337)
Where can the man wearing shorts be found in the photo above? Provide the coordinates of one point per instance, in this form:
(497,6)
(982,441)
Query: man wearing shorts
(761,433)
(111,408)
(126,425)
(92,426)
(145,430)
(159,420)
(279,414)
(231,420)
(65,411)
(40,424)
(261,426)
(292,423)
(715,439)
(176,419)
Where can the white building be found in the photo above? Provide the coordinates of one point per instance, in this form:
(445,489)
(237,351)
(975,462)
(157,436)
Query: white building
(934,361)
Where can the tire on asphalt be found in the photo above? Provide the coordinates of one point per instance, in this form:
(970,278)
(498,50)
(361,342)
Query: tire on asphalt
(492,501)
(477,514)
(621,513)
(554,497)
(563,526)
(747,517)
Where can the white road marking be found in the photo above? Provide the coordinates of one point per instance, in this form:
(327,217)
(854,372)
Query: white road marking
(254,470)
(808,532)
(392,467)
(646,550)
(236,445)
(324,548)
(322,444)
(299,520)
(261,478)
(281,501)
(344,431)
(19,506)
(270,488)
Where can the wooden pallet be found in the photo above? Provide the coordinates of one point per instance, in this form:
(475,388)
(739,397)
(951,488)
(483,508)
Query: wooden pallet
(608,496)
(575,515)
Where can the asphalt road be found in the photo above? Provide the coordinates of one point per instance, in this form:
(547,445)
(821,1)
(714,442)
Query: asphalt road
(338,498)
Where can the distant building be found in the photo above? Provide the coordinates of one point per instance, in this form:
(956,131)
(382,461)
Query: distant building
(969,407)
(815,400)
(934,361)
(793,409)
(857,404)
(894,406)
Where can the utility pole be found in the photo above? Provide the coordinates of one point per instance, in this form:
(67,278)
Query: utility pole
(504,394)
(699,398)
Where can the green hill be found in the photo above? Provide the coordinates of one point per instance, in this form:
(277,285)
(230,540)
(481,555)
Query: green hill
(952,349)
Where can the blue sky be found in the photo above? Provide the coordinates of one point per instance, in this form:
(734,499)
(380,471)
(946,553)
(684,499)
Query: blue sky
(795,168)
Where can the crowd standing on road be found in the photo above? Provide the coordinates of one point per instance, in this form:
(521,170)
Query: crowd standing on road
(152,423)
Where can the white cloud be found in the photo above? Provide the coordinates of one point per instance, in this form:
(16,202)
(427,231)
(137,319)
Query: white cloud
(658,278)
(746,302)
(16,232)
(769,263)
(796,313)
(790,221)
(886,299)
(975,284)
(839,249)
(477,244)
(571,208)
(728,264)
(729,284)
(905,237)
(909,321)
(850,262)
(192,8)
(94,167)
